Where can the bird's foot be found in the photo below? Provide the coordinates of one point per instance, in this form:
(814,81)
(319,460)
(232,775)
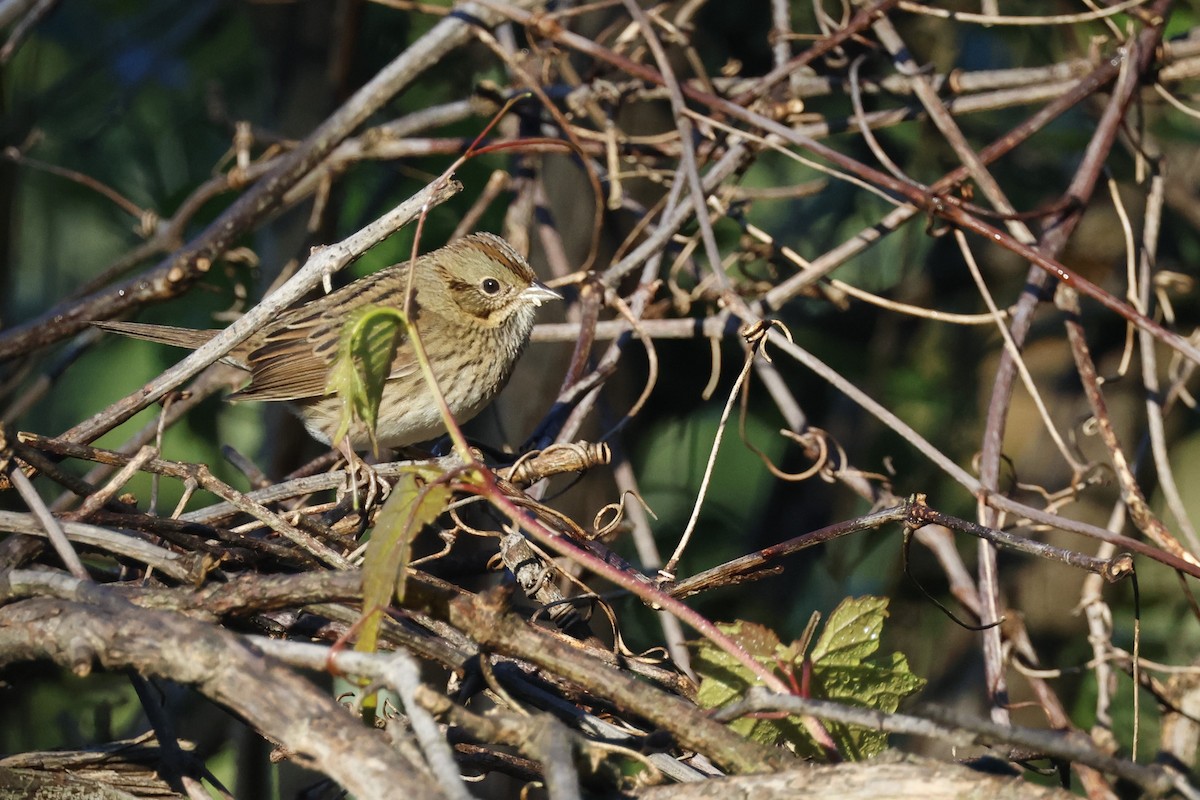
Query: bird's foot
(359,471)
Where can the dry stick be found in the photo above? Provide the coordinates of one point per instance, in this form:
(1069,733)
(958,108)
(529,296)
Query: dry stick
(936,538)
(587,310)
(913,513)
(37,10)
(818,268)
(1099,622)
(1081,189)
(554,248)
(690,328)
(88,182)
(402,673)
(1154,400)
(175,274)
(93,626)
(1112,569)
(49,523)
(485,619)
(781,49)
(988,588)
(1039,517)
(668,571)
(201,475)
(753,566)
(178,567)
(1139,510)
(553,747)
(923,198)
(98,499)
(944,725)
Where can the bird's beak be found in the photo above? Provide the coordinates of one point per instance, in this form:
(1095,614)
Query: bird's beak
(539,293)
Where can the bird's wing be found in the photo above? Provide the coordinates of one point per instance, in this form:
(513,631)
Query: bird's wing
(293,362)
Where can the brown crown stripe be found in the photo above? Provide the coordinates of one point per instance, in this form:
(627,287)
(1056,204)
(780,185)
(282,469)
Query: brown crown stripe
(502,252)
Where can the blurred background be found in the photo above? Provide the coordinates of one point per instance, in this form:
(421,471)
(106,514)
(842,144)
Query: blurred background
(141,100)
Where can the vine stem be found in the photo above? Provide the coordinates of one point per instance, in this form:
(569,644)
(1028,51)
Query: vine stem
(643,589)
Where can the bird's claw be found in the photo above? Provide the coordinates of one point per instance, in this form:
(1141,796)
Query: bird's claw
(376,486)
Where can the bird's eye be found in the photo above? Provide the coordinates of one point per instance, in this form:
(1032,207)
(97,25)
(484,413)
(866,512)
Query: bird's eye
(490,286)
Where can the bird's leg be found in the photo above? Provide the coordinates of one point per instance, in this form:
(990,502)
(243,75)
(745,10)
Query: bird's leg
(377,487)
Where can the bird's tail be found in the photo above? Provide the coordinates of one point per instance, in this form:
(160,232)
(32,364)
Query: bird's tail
(162,334)
(189,338)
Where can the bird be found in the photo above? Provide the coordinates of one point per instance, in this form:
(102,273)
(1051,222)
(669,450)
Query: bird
(474,303)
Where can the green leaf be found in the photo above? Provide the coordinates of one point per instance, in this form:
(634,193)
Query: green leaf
(725,678)
(366,349)
(843,666)
(852,631)
(417,499)
(843,670)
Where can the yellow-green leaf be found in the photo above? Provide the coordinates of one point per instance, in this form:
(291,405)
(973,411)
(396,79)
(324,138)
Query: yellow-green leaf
(852,631)
(366,350)
(417,498)
(843,666)
(725,678)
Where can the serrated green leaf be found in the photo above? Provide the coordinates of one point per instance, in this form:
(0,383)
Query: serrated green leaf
(416,499)
(842,668)
(852,631)
(757,640)
(366,349)
(726,678)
